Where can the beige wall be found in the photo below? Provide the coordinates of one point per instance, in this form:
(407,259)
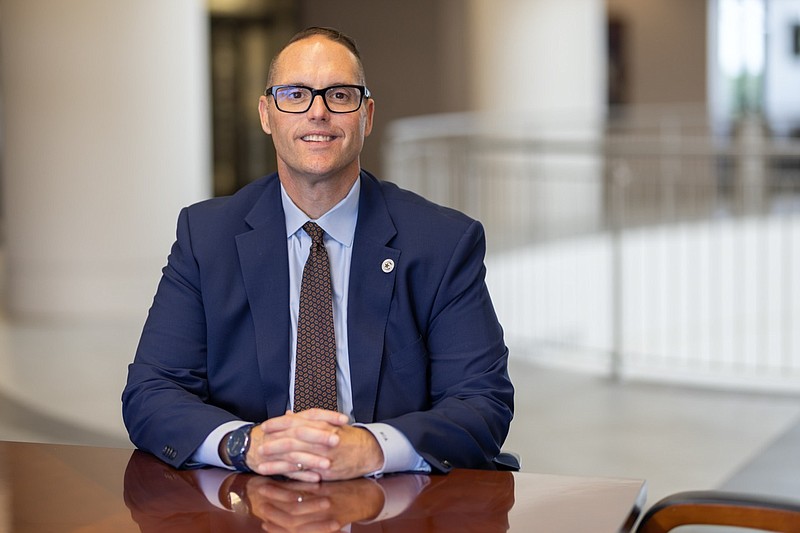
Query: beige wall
(666,49)
(414,52)
(433,46)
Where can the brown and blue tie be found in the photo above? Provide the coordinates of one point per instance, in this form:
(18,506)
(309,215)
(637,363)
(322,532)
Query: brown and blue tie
(315,366)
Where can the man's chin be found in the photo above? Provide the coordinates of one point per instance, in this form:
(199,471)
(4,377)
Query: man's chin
(316,172)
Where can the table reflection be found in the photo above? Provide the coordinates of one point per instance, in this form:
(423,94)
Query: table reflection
(161,498)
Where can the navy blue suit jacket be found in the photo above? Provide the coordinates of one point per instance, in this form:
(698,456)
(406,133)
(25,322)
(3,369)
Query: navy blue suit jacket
(426,350)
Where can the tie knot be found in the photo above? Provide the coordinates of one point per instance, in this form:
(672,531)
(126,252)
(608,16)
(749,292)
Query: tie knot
(314,231)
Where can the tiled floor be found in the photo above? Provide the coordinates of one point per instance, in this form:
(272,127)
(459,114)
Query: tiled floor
(676,438)
(566,422)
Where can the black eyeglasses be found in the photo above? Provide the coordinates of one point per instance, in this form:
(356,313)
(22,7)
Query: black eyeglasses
(337,98)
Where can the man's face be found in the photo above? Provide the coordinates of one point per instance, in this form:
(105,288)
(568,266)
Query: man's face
(316,145)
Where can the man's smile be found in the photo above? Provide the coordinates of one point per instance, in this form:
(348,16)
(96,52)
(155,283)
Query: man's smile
(316,137)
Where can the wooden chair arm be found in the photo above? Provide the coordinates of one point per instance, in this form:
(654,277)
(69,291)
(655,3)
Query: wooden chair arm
(723,509)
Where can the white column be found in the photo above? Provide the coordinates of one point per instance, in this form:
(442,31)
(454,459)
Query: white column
(542,57)
(106,135)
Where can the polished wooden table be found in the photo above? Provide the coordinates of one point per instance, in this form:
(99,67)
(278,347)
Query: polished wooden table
(56,488)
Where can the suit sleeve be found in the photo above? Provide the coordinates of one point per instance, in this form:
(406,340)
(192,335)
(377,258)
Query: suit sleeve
(471,394)
(164,402)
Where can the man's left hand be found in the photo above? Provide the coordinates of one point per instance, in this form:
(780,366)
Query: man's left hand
(356,454)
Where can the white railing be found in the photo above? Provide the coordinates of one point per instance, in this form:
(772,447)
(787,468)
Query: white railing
(659,253)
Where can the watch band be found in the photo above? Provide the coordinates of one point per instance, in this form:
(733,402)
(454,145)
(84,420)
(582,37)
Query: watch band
(236,446)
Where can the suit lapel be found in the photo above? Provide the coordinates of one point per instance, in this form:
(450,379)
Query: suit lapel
(265,269)
(370,296)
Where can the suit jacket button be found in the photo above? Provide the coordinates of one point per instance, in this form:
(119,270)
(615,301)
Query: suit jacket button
(446,464)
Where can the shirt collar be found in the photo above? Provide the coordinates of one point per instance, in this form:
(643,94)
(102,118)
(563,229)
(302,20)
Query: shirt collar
(339,222)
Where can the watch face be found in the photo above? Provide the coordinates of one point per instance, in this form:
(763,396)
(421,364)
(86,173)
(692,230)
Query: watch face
(237,446)
(237,443)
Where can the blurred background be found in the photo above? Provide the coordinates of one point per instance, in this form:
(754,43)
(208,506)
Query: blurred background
(636,165)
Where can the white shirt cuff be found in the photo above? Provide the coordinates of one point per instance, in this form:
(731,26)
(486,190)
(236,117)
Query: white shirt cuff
(398,453)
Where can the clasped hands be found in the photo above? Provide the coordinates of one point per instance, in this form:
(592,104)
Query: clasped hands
(313,445)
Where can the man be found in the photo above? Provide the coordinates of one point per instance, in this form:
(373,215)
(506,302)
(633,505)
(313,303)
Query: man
(421,381)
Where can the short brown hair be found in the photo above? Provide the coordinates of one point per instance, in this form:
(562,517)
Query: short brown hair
(331,34)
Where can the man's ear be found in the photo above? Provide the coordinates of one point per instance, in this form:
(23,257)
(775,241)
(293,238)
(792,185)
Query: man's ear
(370,112)
(263,104)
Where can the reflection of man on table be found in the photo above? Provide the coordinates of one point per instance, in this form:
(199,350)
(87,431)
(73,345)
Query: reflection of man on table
(161,498)
(411,348)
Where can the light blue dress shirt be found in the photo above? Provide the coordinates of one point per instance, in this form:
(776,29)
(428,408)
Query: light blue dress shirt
(340,225)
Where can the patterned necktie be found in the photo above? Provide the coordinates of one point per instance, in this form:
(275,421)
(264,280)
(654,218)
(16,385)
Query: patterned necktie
(315,368)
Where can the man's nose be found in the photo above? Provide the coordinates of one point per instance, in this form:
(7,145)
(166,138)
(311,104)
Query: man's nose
(318,107)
